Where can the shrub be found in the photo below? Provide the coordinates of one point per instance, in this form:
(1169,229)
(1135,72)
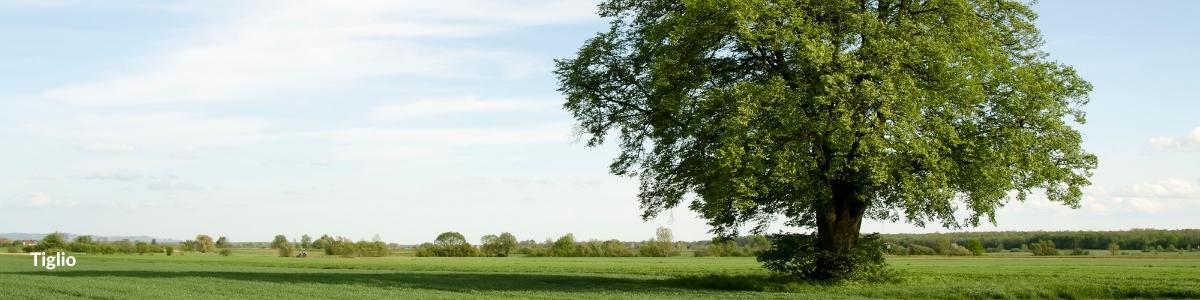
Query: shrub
(227,252)
(426,250)
(921,250)
(141,247)
(501,245)
(124,247)
(564,246)
(661,246)
(170,250)
(797,256)
(343,247)
(724,247)
(1114,248)
(286,250)
(893,249)
(13,249)
(976,247)
(1043,248)
(372,249)
(655,249)
(1078,251)
(204,243)
(956,250)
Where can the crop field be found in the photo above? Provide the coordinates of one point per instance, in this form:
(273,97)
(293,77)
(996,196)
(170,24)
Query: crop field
(257,274)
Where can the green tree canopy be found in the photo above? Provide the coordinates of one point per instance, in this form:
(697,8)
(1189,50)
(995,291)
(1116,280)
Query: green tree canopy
(825,112)
(52,241)
(450,238)
(279,241)
(204,243)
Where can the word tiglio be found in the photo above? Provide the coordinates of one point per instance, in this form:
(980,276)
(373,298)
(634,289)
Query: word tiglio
(51,262)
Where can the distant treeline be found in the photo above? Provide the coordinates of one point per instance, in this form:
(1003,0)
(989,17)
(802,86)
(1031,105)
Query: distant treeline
(1135,239)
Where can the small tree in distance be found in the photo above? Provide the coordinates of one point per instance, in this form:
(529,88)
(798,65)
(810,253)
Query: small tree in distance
(279,241)
(1114,248)
(286,249)
(976,247)
(204,243)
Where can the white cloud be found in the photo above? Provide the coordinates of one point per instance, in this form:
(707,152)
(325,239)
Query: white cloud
(1152,197)
(109,148)
(39,200)
(427,108)
(172,183)
(114,175)
(281,47)
(1171,188)
(1190,142)
(446,136)
(169,130)
(373,144)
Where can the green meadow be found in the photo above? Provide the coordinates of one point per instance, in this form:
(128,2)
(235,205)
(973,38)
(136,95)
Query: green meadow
(252,273)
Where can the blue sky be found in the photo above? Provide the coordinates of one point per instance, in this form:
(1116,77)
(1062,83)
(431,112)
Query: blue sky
(252,118)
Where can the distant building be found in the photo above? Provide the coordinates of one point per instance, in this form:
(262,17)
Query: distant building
(29,243)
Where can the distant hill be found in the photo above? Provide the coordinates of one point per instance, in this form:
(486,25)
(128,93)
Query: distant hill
(71,236)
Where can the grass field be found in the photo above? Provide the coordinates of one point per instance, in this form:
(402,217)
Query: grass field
(257,274)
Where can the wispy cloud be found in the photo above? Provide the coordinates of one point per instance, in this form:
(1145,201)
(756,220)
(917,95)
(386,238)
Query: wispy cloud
(1189,142)
(38,200)
(173,130)
(172,183)
(433,108)
(109,148)
(114,175)
(279,48)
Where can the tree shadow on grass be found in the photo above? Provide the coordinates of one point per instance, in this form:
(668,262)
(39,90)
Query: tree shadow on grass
(460,282)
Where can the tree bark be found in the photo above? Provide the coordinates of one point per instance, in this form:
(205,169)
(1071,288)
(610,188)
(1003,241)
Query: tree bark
(837,232)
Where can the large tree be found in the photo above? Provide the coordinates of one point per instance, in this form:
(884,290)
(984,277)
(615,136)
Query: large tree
(823,112)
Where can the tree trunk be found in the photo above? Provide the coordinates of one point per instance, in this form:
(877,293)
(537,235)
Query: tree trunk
(837,233)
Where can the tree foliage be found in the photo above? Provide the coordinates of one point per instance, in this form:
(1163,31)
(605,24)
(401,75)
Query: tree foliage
(826,112)
(204,243)
(279,241)
(498,245)
(450,243)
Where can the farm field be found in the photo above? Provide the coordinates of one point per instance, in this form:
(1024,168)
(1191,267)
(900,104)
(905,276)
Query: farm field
(257,274)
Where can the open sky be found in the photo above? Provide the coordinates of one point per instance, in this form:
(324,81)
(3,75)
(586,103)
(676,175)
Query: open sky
(408,118)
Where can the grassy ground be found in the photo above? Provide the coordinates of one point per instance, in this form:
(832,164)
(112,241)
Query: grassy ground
(256,274)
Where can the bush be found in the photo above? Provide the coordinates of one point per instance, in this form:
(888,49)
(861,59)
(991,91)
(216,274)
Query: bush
(498,245)
(921,250)
(956,250)
(1043,248)
(170,250)
(976,247)
(797,256)
(13,249)
(372,249)
(286,250)
(342,247)
(1078,251)
(227,252)
(723,248)
(447,244)
(564,246)
(893,249)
